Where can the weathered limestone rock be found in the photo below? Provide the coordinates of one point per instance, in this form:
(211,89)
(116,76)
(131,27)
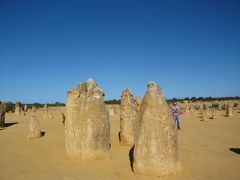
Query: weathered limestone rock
(87,127)
(45,114)
(33,109)
(2,114)
(59,110)
(22,112)
(229,110)
(214,114)
(110,112)
(204,107)
(17,108)
(187,110)
(214,110)
(49,114)
(112,109)
(116,109)
(204,113)
(137,106)
(137,103)
(156,147)
(45,107)
(35,130)
(224,105)
(186,106)
(191,109)
(219,104)
(25,108)
(235,106)
(127,118)
(238,106)
(45,111)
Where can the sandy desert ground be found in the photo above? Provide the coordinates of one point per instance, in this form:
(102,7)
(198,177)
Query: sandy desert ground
(204,149)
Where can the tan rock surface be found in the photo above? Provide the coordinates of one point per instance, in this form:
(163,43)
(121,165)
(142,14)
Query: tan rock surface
(17,108)
(87,127)
(34,128)
(127,118)
(156,146)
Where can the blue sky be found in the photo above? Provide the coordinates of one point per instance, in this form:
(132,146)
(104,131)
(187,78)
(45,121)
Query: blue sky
(191,48)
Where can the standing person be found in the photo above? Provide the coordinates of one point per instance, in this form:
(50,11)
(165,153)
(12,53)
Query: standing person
(2,114)
(175,109)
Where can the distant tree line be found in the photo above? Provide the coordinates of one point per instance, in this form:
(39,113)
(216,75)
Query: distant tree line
(193,99)
(203,99)
(10,106)
(114,101)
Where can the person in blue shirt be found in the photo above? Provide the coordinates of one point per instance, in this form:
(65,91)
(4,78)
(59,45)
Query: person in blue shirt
(175,109)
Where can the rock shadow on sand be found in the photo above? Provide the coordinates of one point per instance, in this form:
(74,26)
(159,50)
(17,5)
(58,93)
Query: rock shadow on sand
(10,124)
(235,150)
(6,125)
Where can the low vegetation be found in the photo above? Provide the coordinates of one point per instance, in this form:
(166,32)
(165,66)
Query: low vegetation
(11,105)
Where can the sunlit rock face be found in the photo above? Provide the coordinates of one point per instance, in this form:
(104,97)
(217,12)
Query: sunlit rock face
(156,147)
(87,127)
(127,118)
(229,110)
(34,128)
(17,108)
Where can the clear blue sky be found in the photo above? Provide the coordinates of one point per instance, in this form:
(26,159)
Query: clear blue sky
(191,48)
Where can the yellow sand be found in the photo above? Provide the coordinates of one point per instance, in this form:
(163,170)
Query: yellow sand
(203,150)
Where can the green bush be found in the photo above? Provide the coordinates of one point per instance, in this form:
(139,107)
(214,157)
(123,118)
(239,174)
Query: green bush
(114,101)
(10,106)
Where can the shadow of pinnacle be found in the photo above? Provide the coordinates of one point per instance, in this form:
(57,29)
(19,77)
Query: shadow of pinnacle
(131,154)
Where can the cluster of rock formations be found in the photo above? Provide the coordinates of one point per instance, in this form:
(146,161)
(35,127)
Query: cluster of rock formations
(210,110)
(146,125)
